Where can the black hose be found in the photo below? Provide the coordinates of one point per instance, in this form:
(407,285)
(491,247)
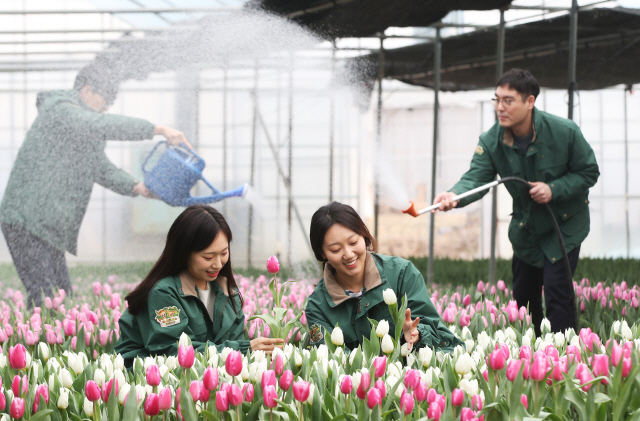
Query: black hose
(565,257)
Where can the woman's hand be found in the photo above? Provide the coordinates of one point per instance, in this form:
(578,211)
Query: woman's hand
(410,329)
(265,344)
(174,137)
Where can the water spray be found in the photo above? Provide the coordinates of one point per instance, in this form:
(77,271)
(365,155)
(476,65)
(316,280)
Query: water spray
(412,211)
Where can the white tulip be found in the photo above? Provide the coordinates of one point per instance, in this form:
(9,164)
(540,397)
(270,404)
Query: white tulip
(322,352)
(28,358)
(625,331)
(337,338)
(352,356)
(424,355)
(52,380)
(616,326)
(124,391)
(77,365)
(499,336)
(5,417)
(3,361)
(119,376)
(545,326)
(160,360)
(389,296)
(559,340)
(410,360)
(404,349)
(107,366)
(88,407)
(393,371)
(387,344)
(63,399)
(483,340)
(225,353)
(44,350)
(141,391)
(391,382)
(575,341)
(297,359)
(65,378)
(466,333)
(569,333)
(118,362)
(257,356)
(256,370)
(213,360)
(510,333)
(184,340)
(526,341)
(464,364)
(382,329)
(99,377)
(469,344)
(171,362)
(312,390)
(469,386)
(355,379)
(288,350)
(244,374)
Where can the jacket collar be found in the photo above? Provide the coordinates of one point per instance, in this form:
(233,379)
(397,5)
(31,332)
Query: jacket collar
(372,279)
(507,134)
(188,286)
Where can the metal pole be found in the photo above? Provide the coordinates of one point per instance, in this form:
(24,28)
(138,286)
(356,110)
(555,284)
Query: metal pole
(376,200)
(437,56)
(494,192)
(290,165)
(254,133)
(626,169)
(225,82)
(573,52)
(331,119)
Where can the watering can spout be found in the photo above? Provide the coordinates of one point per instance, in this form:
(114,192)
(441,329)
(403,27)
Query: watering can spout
(411,210)
(216,197)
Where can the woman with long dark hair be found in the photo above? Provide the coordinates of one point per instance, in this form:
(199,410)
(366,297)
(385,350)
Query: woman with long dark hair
(351,291)
(190,289)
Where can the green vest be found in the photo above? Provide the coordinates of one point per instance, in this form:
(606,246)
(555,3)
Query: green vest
(559,156)
(174,307)
(328,305)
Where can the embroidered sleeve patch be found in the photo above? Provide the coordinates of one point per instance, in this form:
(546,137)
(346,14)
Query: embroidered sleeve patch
(315,332)
(168,316)
(479,150)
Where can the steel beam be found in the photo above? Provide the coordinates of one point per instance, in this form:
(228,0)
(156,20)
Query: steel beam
(437,58)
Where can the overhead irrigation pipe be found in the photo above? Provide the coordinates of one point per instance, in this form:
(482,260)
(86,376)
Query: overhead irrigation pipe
(412,211)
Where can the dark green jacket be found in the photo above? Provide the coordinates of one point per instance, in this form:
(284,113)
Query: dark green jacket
(60,159)
(558,156)
(174,307)
(329,304)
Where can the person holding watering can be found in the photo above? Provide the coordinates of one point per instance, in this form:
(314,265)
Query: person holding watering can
(190,289)
(351,291)
(551,154)
(52,177)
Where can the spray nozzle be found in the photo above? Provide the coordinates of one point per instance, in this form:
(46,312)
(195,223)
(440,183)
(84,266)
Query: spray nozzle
(411,210)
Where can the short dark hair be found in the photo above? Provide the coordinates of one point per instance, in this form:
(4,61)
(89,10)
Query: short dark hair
(522,81)
(100,80)
(192,231)
(336,213)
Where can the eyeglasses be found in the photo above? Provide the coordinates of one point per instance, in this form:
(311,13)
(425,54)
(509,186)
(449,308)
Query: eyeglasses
(506,102)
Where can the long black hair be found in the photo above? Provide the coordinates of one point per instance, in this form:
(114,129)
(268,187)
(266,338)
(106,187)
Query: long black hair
(336,213)
(192,231)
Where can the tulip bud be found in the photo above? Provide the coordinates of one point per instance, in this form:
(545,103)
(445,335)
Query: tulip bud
(152,405)
(382,329)
(269,396)
(301,390)
(387,344)
(337,338)
(153,375)
(525,401)
(389,296)
(407,403)
(164,399)
(346,386)
(233,363)
(222,401)
(496,359)
(17,408)
(247,391)
(210,378)
(63,399)
(18,359)
(464,364)
(273,266)
(286,379)
(373,397)
(380,366)
(457,397)
(186,356)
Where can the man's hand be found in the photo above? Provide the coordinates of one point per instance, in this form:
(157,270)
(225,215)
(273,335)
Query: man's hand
(446,201)
(174,137)
(142,190)
(540,192)
(266,344)
(410,329)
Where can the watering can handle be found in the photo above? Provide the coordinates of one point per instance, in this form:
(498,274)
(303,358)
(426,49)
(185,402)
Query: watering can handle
(144,164)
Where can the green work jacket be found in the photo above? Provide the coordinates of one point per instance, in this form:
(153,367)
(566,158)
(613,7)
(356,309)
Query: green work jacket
(173,307)
(329,305)
(559,156)
(61,158)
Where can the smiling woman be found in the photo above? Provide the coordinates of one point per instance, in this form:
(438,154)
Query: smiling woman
(190,289)
(351,291)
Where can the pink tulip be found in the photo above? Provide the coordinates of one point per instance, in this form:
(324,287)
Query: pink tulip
(235,395)
(407,403)
(103,337)
(17,382)
(210,378)
(432,395)
(222,401)
(434,412)
(346,386)
(373,397)
(585,377)
(363,387)
(496,360)
(411,379)
(286,380)
(380,385)
(153,375)
(525,401)
(601,366)
(466,300)
(379,366)
(17,408)
(198,391)
(538,368)
(269,396)
(301,390)
(247,391)
(278,365)
(616,353)
(186,356)
(233,364)
(303,319)
(513,369)
(573,353)
(476,403)
(421,391)
(626,367)
(152,405)
(480,287)
(92,391)
(501,285)
(273,266)
(164,400)
(467,414)
(18,357)
(268,378)
(457,397)
(525,352)
(106,390)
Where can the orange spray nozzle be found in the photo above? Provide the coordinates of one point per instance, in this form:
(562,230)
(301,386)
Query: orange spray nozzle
(411,210)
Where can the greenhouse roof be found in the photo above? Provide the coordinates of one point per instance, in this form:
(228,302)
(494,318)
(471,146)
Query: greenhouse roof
(608,54)
(350,18)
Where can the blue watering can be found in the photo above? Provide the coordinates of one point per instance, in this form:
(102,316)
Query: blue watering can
(176,172)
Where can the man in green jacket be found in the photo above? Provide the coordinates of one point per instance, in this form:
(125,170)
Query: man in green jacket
(52,177)
(551,154)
